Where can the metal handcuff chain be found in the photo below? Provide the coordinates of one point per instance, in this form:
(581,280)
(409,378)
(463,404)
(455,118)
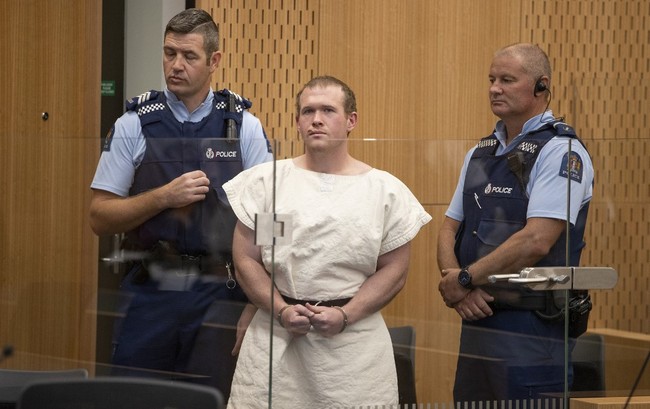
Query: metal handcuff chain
(230,282)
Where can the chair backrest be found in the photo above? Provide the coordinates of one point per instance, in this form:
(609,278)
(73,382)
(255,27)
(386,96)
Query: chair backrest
(404,341)
(12,381)
(588,357)
(404,349)
(119,392)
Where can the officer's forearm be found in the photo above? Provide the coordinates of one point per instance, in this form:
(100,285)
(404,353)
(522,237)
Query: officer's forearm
(113,214)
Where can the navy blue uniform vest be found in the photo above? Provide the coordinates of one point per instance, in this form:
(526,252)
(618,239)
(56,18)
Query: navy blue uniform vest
(495,199)
(174,148)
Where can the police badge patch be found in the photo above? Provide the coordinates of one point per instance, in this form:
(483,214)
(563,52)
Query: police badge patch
(106,146)
(572,166)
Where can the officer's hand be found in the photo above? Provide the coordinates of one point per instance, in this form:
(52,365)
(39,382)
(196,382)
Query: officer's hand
(450,290)
(186,189)
(475,305)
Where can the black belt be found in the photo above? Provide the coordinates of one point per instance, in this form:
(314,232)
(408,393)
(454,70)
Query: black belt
(330,303)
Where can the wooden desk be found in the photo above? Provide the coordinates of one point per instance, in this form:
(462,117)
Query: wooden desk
(625,353)
(637,402)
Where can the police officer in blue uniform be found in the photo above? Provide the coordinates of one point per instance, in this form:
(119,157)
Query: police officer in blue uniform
(159,181)
(509,211)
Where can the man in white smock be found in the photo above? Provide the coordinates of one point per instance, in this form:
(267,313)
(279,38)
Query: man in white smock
(352,227)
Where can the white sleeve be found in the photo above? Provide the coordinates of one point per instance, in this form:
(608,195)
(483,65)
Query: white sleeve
(248,193)
(404,215)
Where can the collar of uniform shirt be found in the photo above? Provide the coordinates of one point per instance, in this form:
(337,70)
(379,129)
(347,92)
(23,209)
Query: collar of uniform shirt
(532,124)
(180,111)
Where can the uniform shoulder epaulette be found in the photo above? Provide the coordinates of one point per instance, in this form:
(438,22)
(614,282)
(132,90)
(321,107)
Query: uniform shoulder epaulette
(241,103)
(487,142)
(564,129)
(132,104)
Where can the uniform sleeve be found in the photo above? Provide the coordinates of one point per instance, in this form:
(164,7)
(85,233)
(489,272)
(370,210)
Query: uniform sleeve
(549,178)
(404,216)
(455,209)
(255,146)
(121,155)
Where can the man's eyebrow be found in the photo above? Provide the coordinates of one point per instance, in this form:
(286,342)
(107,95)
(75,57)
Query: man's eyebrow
(177,49)
(317,106)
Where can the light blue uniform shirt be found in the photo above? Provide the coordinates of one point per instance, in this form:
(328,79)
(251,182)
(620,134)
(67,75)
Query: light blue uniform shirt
(117,167)
(547,186)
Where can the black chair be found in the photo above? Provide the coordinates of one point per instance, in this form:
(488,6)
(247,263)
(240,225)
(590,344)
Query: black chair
(588,358)
(404,349)
(12,381)
(119,392)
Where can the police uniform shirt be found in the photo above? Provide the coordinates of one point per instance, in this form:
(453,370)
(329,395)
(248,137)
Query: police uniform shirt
(117,166)
(547,183)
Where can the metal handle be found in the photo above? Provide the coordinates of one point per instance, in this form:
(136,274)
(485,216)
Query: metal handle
(501,277)
(561,278)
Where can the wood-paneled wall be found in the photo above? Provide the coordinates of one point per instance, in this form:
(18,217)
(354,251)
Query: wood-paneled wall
(419,69)
(48,254)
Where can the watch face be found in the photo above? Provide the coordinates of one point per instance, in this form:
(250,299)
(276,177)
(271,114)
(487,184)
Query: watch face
(464,278)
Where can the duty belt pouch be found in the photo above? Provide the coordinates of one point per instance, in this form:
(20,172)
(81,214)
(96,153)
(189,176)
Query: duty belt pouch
(579,307)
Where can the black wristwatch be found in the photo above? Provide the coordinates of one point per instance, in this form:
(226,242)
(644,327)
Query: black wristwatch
(465,279)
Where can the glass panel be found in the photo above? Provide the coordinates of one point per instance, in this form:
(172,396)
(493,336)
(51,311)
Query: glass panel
(611,113)
(610,359)
(434,349)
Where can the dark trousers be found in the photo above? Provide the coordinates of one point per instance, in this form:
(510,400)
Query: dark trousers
(180,333)
(513,355)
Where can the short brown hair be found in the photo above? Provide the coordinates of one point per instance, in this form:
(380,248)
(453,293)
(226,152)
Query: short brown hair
(196,21)
(349,100)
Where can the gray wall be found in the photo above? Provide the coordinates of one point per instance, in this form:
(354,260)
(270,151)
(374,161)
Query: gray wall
(145,22)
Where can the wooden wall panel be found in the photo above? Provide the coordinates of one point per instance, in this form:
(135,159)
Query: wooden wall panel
(48,255)
(419,68)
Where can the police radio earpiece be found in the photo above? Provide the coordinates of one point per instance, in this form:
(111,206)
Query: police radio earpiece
(539,87)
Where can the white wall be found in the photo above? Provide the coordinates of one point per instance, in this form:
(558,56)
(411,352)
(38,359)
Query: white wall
(145,22)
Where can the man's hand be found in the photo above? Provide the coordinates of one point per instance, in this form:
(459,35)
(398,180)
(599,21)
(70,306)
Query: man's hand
(474,306)
(328,321)
(296,319)
(186,189)
(450,289)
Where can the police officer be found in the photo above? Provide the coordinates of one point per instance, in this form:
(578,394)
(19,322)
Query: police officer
(508,212)
(159,181)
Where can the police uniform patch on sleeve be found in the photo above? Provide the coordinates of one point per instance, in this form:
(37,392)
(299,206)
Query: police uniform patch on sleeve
(106,146)
(572,166)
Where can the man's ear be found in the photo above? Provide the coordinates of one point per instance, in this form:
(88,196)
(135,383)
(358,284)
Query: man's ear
(215,59)
(352,121)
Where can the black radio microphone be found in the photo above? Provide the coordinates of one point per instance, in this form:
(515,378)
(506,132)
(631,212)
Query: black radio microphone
(231,126)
